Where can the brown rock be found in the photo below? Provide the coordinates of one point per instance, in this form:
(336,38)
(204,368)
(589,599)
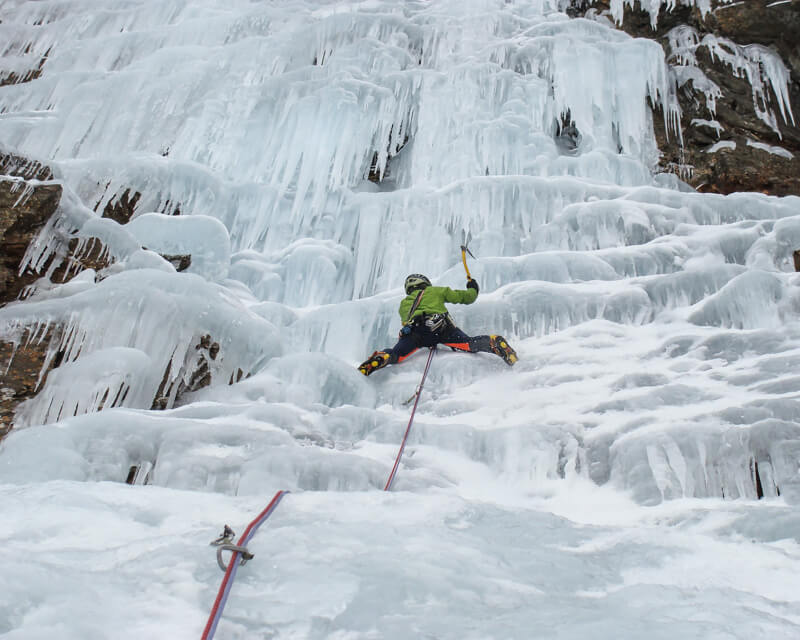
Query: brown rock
(195,374)
(24,209)
(27,203)
(22,369)
(745,168)
(121,209)
(763,22)
(35,70)
(19,167)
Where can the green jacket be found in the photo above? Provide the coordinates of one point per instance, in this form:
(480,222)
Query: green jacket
(433,300)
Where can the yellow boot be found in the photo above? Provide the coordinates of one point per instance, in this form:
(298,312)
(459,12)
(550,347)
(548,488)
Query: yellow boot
(376,361)
(501,347)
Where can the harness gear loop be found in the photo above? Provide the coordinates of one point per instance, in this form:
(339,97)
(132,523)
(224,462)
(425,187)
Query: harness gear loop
(246,555)
(436,321)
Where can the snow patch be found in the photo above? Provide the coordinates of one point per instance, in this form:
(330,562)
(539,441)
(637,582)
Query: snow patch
(776,151)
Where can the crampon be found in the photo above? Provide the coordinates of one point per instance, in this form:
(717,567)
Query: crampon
(376,361)
(501,347)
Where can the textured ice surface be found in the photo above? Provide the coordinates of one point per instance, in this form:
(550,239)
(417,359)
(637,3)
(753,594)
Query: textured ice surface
(607,485)
(377,565)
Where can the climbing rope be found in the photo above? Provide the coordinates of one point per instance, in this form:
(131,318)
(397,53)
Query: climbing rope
(239,552)
(236,551)
(410,420)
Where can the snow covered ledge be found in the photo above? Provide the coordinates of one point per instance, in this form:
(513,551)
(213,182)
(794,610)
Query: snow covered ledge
(142,357)
(61,357)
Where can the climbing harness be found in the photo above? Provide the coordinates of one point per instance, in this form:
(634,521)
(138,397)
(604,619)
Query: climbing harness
(238,550)
(410,420)
(436,321)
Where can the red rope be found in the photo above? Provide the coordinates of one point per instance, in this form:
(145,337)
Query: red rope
(410,420)
(233,564)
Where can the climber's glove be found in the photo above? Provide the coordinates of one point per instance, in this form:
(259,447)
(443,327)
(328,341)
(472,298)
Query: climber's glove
(472,284)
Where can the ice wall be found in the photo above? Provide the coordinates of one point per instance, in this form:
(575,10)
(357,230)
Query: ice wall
(308,155)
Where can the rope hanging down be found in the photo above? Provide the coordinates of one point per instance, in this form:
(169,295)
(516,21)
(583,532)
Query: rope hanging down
(233,564)
(410,420)
(239,553)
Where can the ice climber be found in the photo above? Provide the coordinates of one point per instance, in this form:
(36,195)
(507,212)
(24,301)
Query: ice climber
(426,323)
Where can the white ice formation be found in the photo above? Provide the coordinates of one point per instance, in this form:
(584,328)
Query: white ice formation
(657,330)
(760,66)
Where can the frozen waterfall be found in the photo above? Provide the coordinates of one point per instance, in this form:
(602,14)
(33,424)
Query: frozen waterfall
(307,155)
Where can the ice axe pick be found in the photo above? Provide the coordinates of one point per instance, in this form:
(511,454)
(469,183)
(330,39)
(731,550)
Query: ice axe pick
(464,251)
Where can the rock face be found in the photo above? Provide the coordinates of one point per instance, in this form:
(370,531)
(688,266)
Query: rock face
(29,197)
(738,134)
(25,207)
(27,371)
(27,202)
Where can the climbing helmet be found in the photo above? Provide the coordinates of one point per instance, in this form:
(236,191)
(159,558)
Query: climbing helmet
(416,281)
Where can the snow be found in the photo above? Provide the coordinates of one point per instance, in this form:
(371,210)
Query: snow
(711,124)
(204,238)
(774,150)
(612,579)
(654,7)
(607,485)
(721,145)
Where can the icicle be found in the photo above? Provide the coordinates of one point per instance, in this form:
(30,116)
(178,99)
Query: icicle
(139,313)
(758,64)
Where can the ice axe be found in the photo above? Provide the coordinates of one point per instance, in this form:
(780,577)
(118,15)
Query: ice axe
(465,238)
